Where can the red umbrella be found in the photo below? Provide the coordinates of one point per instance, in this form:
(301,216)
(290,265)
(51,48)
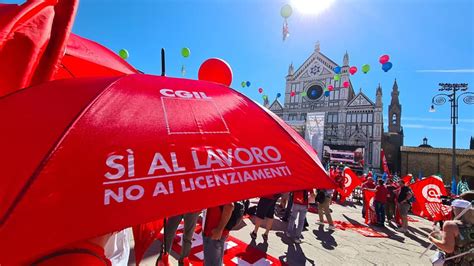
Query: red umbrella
(85,58)
(83,157)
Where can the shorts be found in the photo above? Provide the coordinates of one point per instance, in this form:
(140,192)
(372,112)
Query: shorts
(404,208)
(266,208)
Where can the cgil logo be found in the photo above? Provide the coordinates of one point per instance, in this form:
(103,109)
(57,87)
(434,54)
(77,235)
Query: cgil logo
(184,94)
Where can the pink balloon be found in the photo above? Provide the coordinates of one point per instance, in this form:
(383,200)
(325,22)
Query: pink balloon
(384,59)
(215,70)
(260,90)
(353,70)
(345,84)
(330,88)
(292,93)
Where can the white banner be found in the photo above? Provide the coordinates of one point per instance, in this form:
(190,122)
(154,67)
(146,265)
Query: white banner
(314,133)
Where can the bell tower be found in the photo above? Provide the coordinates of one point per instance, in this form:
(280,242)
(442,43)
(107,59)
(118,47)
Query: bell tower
(394,111)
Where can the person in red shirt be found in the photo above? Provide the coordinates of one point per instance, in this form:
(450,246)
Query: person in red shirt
(381,193)
(300,208)
(368,184)
(89,252)
(215,233)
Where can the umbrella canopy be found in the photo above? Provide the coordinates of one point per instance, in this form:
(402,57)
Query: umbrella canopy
(85,58)
(83,157)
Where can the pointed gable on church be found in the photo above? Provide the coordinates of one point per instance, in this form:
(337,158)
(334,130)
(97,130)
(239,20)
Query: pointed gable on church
(360,100)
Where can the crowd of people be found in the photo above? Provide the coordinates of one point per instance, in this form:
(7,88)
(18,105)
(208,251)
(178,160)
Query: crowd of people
(392,199)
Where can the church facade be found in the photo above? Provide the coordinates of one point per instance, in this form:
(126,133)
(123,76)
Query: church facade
(341,125)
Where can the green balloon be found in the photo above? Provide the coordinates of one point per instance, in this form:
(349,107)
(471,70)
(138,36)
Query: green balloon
(366,68)
(243,84)
(185,52)
(303,93)
(265,97)
(337,77)
(286,11)
(123,53)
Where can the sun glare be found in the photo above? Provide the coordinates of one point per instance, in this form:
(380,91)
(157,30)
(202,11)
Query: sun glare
(313,7)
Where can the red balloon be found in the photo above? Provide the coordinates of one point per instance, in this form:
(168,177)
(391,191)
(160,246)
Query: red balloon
(345,84)
(384,59)
(260,90)
(215,70)
(292,93)
(353,70)
(330,88)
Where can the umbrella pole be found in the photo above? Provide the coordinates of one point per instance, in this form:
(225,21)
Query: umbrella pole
(163,64)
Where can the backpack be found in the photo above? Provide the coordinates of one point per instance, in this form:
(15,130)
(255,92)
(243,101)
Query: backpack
(236,216)
(320,196)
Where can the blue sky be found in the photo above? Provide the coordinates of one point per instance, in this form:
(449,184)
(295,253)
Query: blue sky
(417,34)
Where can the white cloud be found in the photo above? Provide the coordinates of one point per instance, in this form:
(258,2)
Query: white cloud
(468,70)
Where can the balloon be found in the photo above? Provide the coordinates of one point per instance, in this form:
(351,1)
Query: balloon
(185,52)
(326,93)
(286,11)
(353,70)
(278,95)
(215,70)
(345,84)
(337,69)
(314,93)
(123,53)
(387,66)
(384,59)
(260,90)
(292,93)
(264,97)
(248,83)
(303,94)
(243,84)
(330,88)
(337,77)
(366,68)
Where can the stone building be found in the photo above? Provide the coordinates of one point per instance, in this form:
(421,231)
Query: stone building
(341,125)
(426,160)
(393,139)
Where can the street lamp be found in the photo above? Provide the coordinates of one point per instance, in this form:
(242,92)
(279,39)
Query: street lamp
(440,99)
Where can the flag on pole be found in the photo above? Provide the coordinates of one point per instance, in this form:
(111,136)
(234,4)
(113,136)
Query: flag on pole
(384,162)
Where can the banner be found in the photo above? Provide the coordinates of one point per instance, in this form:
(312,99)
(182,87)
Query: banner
(351,181)
(370,215)
(315,131)
(427,202)
(384,162)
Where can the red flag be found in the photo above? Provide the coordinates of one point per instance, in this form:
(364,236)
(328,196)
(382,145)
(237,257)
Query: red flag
(428,203)
(407,179)
(370,215)
(384,162)
(144,235)
(351,181)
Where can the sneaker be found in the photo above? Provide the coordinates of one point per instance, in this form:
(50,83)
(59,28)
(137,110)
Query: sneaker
(331,227)
(319,223)
(297,241)
(253,235)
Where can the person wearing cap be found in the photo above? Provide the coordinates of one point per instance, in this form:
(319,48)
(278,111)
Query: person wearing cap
(457,237)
